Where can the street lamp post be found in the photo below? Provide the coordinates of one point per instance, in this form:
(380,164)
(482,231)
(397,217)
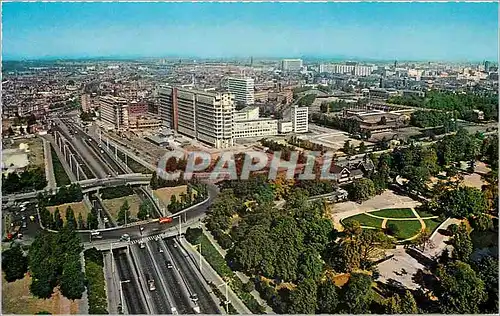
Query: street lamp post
(198,246)
(227,298)
(122,298)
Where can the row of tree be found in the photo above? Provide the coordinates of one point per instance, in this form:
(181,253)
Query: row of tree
(66,194)
(54,260)
(461,103)
(28,180)
(307,100)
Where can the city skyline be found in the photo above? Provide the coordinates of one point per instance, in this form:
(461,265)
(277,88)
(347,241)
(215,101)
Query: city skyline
(383,31)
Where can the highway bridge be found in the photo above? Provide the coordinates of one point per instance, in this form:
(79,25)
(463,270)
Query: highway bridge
(89,185)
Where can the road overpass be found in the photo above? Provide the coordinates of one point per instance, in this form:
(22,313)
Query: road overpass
(89,185)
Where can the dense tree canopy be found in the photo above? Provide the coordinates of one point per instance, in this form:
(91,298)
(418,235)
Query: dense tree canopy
(460,290)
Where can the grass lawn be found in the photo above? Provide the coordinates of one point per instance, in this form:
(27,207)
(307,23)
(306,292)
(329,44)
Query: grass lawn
(17,299)
(407,229)
(59,172)
(432,224)
(366,220)
(483,239)
(423,213)
(113,205)
(78,208)
(395,213)
(165,194)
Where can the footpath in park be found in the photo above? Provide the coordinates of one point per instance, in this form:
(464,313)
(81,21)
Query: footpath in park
(244,278)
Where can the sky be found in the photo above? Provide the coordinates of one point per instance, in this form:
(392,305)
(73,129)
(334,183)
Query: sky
(384,31)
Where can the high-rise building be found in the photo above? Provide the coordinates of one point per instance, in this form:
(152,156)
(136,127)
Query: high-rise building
(291,64)
(243,90)
(205,116)
(300,119)
(114,111)
(487,66)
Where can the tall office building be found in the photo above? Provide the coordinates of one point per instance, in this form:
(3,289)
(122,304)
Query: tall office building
(291,64)
(205,116)
(243,90)
(114,111)
(300,119)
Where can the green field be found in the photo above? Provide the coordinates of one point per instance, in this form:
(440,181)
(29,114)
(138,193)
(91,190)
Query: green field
(59,173)
(423,213)
(366,220)
(432,224)
(407,229)
(395,213)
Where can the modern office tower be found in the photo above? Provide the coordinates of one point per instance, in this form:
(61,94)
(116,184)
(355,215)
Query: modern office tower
(242,88)
(300,119)
(291,64)
(205,116)
(114,111)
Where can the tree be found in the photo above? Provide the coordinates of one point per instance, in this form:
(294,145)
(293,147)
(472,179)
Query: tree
(362,148)
(58,222)
(72,279)
(328,297)
(348,148)
(462,244)
(481,222)
(357,294)
(487,269)
(288,241)
(361,190)
(460,290)
(393,229)
(14,263)
(303,298)
(310,265)
(144,210)
(81,223)
(124,213)
(423,239)
(463,202)
(393,305)
(408,304)
(92,221)
(70,218)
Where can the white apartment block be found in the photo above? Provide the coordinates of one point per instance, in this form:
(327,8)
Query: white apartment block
(247,113)
(291,64)
(114,111)
(243,90)
(285,127)
(204,116)
(300,119)
(255,128)
(356,70)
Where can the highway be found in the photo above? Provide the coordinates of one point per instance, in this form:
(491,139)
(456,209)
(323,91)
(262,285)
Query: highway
(173,280)
(192,278)
(98,167)
(131,292)
(160,300)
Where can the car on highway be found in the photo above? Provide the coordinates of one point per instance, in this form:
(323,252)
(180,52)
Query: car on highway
(151,284)
(169,265)
(24,225)
(94,233)
(160,249)
(194,297)
(125,237)
(142,245)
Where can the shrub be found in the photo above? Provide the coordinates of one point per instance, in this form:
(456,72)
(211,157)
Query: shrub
(392,229)
(249,286)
